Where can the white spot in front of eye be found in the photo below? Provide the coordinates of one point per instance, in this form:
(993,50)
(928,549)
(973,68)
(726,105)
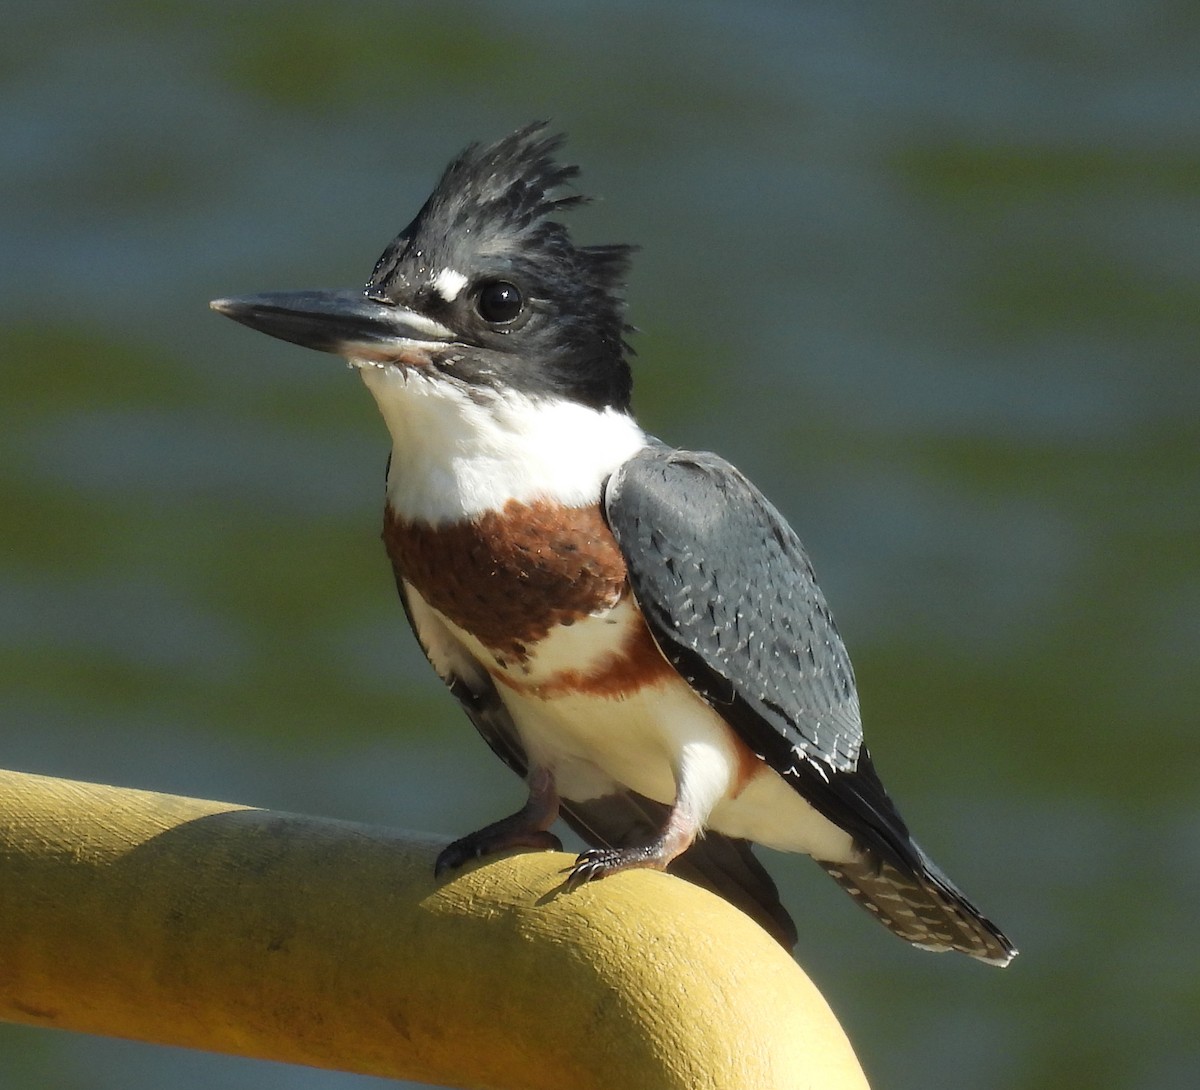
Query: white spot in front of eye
(448,283)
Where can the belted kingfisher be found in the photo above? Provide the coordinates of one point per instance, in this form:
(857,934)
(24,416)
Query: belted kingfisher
(634,629)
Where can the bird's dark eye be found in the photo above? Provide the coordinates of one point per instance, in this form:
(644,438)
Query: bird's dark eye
(499,301)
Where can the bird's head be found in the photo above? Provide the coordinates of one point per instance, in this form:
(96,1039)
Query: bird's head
(484,290)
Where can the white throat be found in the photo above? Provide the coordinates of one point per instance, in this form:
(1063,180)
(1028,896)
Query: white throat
(454,457)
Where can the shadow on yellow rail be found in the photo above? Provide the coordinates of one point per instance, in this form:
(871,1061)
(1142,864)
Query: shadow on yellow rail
(264,934)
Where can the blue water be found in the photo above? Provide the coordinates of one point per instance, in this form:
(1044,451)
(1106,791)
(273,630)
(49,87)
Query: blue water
(928,273)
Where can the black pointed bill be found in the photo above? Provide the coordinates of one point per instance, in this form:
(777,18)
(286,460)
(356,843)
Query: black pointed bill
(348,323)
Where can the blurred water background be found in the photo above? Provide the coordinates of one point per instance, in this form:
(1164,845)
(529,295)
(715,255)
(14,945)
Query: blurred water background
(928,272)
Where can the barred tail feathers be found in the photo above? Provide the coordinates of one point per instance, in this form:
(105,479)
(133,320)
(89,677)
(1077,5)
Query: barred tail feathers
(923,908)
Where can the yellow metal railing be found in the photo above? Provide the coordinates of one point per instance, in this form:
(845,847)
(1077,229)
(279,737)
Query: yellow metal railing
(215,926)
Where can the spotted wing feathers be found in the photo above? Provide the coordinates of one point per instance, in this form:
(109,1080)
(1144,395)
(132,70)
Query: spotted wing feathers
(730,596)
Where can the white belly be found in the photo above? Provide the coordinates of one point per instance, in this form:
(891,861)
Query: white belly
(770,812)
(597,746)
(661,740)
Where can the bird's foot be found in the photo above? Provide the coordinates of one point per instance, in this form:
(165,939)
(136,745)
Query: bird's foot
(598,863)
(490,840)
(527,828)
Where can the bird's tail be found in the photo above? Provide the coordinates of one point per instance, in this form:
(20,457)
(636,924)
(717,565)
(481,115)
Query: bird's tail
(923,907)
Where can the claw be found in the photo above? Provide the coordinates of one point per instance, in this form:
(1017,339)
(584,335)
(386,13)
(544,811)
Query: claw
(527,828)
(491,841)
(597,863)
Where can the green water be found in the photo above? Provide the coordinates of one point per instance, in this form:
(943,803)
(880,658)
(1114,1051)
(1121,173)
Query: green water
(929,275)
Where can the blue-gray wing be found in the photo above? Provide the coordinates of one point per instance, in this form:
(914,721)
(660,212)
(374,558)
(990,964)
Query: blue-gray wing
(730,596)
